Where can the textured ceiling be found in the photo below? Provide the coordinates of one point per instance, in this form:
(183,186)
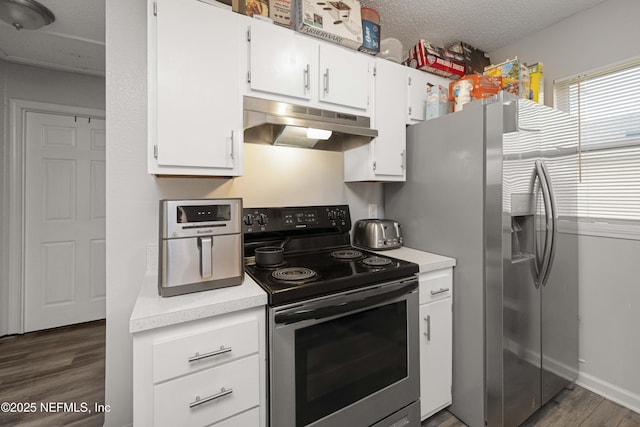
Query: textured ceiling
(484,24)
(75,41)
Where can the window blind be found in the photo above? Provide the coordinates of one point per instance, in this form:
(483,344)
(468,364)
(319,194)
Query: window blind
(607,105)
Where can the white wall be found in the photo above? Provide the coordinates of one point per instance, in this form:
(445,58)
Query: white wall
(609,280)
(29,83)
(273,176)
(603,35)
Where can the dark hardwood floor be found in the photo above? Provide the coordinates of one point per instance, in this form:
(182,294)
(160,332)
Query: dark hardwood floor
(53,368)
(570,408)
(66,366)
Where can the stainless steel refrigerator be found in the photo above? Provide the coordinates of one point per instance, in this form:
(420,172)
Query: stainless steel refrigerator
(489,186)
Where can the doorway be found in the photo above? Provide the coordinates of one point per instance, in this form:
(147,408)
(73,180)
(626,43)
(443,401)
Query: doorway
(64,218)
(56,216)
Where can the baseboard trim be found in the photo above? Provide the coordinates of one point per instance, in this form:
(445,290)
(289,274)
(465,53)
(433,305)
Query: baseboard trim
(614,393)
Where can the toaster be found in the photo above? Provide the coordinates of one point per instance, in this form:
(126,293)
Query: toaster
(377,234)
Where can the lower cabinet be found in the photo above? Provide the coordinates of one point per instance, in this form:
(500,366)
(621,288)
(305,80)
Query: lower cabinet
(436,292)
(206,372)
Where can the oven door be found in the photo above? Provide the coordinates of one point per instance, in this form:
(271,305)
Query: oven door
(348,359)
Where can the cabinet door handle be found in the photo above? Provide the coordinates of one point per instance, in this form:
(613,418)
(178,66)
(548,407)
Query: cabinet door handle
(428,331)
(326,81)
(306,77)
(232,144)
(199,356)
(440,291)
(403,159)
(199,401)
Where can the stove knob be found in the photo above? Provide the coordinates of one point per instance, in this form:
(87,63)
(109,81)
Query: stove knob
(262,219)
(248,220)
(341,215)
(331,215)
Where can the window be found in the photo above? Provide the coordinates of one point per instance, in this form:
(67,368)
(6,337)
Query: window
(607,105)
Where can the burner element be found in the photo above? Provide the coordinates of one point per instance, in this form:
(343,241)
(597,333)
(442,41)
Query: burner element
(293,274)
(376,261)
(346,254)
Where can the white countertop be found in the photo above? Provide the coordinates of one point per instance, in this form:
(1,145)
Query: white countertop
(426,260)
(153,311)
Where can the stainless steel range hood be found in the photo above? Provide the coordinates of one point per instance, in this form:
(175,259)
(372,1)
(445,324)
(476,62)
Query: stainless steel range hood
(280,123)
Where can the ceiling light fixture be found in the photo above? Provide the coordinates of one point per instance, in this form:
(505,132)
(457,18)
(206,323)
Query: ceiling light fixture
(27,14)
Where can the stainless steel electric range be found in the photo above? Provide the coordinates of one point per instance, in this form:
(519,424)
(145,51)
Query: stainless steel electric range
(343,322)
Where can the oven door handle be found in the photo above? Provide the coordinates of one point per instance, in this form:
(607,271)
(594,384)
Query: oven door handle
(344,306)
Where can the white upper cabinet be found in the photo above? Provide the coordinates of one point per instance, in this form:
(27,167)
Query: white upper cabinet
(195,111)
(291,67)
(384,158)
(345,77)
(281,62)
(417,83)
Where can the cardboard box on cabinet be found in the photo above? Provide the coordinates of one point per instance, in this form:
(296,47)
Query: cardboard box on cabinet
(335,21)
(515,76)
(437,101)
(474,59)
(279,11)
(536,74)
(427,57)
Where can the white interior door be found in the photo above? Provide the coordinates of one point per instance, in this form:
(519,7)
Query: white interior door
(64,220)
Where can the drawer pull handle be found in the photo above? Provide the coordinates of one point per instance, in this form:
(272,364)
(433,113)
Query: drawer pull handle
(199,356)
(199,401)
(440,291)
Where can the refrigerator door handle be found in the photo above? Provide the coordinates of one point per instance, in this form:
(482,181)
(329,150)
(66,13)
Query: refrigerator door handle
(543,265)
(554,222)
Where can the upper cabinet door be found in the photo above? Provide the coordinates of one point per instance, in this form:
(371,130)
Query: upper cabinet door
(345,77)
(280,61)
(417,83)
(390,145)
(195,80)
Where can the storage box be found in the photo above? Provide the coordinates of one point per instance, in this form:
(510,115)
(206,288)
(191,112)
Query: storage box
(474,59)
(279,11)
(515,76)
(481,86)
(427,57)
(370,31)
(336,21)
(437,101)
(473,86)
(537,82)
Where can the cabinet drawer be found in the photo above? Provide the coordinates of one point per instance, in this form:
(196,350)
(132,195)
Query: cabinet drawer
(435,285)
(199,351)
(247,419)
(198,399)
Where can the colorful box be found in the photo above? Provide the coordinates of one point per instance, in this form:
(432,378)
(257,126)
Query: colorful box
(536,75)
(515,76)
(476,86)
(437,101)
(335,21)
(474,59)
(279,11)
(481,86)
(427,57)
(370,37)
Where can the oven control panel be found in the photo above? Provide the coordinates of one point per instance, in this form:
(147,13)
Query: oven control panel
(258,220)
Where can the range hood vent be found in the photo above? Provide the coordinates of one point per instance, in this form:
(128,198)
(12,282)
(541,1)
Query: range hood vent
(280,123)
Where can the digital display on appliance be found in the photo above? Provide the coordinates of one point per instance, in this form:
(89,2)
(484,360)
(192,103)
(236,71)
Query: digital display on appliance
(300,217)
(204,213)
